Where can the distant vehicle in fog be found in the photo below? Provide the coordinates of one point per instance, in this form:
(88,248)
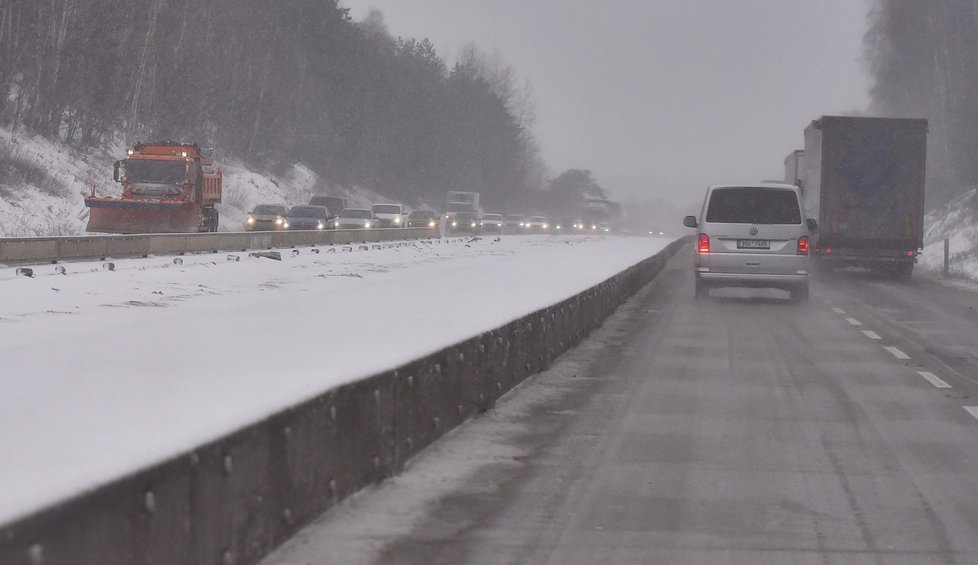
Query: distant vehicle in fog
(464,222)
(335,204)
(752,236)
(492,223)
(514,220)
(307,217)
(356,219)
(863,179)
(266,217)
(389,215)
(538,224)
(422,219)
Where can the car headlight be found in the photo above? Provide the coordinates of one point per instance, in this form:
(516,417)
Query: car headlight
(320,226)
(279,221)
(250,220)
(366,224)
(454,224)
(431,224)
(285,224)
(545,226)
(473,224)
(397,219)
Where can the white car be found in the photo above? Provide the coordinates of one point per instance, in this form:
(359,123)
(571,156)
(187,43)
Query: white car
(356,219)
(390,215)
(538,223)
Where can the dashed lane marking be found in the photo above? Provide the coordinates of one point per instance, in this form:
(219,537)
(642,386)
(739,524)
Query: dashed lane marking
(933,379)
(871,334)
(973,410)
(854,322)
(896,352)
(838,310)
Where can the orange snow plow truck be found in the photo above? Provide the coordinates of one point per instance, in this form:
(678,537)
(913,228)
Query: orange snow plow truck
(167,187)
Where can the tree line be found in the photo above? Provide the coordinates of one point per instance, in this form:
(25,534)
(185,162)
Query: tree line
(271,83)
(922,58)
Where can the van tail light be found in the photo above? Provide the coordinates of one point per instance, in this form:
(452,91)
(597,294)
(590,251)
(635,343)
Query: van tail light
(703,245)
(911,253)
(803,245)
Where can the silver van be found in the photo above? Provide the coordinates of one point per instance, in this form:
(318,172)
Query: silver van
(752,236)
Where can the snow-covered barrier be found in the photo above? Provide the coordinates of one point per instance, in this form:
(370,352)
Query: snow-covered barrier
(53,249)
(234,499)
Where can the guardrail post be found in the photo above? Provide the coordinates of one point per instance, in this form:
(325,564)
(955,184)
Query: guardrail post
(947,257)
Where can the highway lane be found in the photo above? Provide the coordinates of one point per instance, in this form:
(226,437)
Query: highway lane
(739,429)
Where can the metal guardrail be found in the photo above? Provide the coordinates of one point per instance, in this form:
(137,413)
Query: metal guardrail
(55,249)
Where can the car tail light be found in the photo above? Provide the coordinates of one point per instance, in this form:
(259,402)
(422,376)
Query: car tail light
(703,245)
(803,245)
(828,250)
(911,253)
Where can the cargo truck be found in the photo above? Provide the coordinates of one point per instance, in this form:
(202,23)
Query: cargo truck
(863,180)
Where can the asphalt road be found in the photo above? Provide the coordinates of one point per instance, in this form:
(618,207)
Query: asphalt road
(739,429)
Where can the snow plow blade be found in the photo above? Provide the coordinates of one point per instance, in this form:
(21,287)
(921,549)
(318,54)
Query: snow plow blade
(114,215)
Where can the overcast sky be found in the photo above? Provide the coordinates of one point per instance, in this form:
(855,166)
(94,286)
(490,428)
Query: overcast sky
(661,97)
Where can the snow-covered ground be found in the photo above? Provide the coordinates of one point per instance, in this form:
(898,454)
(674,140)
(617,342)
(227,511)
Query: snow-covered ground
(106,372)
(958,222)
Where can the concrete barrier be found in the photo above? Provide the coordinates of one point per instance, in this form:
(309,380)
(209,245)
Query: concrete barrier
(55,249)
(233,500)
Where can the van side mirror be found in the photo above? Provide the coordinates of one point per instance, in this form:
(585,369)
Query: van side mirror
(812,225)
(690,222)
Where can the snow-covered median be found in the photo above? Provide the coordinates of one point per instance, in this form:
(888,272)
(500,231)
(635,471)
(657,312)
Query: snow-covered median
(107,372)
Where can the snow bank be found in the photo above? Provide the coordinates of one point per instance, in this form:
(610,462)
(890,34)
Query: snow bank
(108,372)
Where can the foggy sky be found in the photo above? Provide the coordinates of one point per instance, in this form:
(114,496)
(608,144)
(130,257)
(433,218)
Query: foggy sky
(661,97)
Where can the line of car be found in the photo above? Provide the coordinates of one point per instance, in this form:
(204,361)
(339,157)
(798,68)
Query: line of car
(319,215)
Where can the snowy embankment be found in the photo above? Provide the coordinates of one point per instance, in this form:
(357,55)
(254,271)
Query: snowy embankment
(959,224)
(108,372)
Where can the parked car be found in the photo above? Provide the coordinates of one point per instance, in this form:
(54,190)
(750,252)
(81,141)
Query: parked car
(464,222)
(266,217)
(335,204)
(356,219)
(422,219)
(752,236)
(306,217)
(492,223)
(389,215)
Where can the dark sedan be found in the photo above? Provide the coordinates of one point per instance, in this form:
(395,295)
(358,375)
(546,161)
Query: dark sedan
(307,218)
(265,217)
(422,219)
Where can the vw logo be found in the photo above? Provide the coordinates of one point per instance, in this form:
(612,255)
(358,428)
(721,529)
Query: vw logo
(752,230)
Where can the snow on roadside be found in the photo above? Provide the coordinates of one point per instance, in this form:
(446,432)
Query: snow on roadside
(117,370)
(958,222)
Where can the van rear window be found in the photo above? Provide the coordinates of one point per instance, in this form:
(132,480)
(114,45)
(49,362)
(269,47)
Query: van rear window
(753,205)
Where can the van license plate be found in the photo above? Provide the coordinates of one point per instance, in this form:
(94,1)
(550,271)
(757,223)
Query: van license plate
(753,244)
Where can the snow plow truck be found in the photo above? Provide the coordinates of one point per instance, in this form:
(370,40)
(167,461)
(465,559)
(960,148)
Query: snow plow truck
(167,187)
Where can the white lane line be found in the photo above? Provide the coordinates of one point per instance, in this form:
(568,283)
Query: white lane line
(871,334)
(838,310)
(854,322)
(896,352)
(933,379)
(973,410)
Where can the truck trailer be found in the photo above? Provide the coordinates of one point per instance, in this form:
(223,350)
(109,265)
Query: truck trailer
(863,180)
